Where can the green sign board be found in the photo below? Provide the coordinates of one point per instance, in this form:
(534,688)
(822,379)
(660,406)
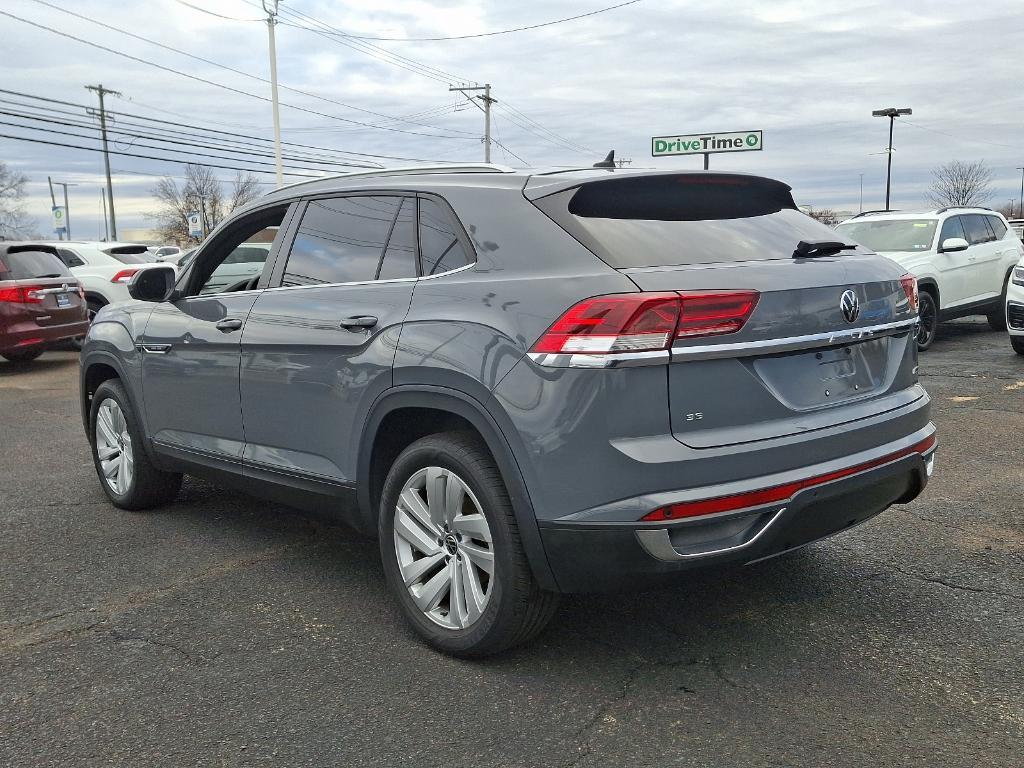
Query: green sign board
(706,143)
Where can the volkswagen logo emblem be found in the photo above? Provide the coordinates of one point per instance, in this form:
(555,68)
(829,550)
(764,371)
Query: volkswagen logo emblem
(850,305)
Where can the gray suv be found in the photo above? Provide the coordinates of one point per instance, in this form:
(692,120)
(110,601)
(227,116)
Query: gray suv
(524,383)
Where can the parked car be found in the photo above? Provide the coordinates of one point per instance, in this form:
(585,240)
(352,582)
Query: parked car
(961,257)
(103,268)
(524,383)
(41,302)
(168,253)
(1017,225)
(1015,308)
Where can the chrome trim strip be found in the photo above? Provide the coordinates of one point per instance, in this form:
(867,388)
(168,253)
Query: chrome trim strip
(613,360)
(658,543)
(55,291)
(371,282)
(154,349)
(684,354)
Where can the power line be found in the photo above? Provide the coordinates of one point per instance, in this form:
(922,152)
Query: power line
(211,13)
(235,136)
(227,68)
(167,140)
(150,157)
(526,118)
(498,32)
(216,84)
(958,138)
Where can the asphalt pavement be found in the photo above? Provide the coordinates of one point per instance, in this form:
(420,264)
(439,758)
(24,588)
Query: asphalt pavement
(227,631)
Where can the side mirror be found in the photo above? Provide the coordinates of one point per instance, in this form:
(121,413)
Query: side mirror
(953,244)
(153,283)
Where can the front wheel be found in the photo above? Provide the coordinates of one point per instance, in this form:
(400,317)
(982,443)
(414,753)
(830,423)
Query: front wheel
(927,321)
(126,474)
(452,553)
(1017,342)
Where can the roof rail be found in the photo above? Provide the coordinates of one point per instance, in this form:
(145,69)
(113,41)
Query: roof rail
(957,207)
(872,213)
(405,170)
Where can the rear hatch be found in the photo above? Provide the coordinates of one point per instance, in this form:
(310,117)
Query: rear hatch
(43,288)
(830,335)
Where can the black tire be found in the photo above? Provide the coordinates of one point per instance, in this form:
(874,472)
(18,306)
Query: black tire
(149,486)
(517,609)
(1017,342)
(997,317)
(23,355)
(928,319)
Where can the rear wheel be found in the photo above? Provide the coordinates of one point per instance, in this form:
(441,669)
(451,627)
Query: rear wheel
(1017,342)
(928,320)
(451,550)
(23,355)
(126,474)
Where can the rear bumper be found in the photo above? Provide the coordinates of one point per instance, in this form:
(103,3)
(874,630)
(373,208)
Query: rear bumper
(24,336)
(605,556)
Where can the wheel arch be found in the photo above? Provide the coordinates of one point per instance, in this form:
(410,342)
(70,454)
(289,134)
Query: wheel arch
(456,410)
(931,285)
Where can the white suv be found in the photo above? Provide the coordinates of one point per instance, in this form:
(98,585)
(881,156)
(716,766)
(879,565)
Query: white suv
(962,259)
(1015,308)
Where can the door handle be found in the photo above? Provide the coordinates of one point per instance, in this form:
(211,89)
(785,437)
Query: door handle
(231,324)
(359,321)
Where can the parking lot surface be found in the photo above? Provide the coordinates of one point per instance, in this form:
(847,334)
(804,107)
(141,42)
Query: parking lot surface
(229,631)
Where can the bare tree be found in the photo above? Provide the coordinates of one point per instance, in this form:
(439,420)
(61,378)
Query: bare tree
(14,222)
(959,183)
(202,193)
(826,216)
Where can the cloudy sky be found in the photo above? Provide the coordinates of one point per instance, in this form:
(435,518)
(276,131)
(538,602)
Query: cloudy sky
(807,73)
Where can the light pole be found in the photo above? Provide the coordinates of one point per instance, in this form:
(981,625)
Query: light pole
(271,22)
(861,193)
(892,113)
(1020,207)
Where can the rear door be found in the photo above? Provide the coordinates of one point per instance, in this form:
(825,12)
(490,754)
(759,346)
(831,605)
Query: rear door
(983,257)
(954,268)
(320,343)
(829,338)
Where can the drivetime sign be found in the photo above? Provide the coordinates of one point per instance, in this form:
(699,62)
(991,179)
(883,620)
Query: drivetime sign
(703,143)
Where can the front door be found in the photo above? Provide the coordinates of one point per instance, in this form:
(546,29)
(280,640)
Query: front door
(191,346)
(319,345)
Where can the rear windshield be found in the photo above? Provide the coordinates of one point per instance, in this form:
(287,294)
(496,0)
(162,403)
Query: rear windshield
(30,265)
(131,254)
(891,235)
(666,220)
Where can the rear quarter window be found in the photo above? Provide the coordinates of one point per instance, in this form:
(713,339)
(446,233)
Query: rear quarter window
(441,247)
(998,228)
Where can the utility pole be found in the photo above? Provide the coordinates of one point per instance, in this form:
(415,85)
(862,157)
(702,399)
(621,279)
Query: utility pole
(271,23)
(1020,206)
(67,208)
(486,109)
(101,92)
(861,193)
(892,113)
(53,202)
(106,230)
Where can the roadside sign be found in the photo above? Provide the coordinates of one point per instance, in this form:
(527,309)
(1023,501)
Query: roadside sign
(60,219)
(706,143)
(195,225)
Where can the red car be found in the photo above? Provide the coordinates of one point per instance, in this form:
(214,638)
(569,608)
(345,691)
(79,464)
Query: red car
(41,302)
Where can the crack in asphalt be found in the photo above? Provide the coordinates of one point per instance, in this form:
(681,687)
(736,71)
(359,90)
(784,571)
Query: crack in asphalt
(948,584)
(122,638)
(54,628)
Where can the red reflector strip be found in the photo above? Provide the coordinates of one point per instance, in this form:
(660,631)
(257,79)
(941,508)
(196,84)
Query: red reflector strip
(776,493)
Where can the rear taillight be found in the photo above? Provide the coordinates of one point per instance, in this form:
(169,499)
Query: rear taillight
(640,322)
(909,283)
(22,294)
(81,293)
(123,276)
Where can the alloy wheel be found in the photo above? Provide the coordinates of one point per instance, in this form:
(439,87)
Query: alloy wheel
(114,447)
(927,320)
(444,547)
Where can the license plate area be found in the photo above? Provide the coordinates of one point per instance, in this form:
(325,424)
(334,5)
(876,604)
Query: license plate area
(63,300)
(829,375)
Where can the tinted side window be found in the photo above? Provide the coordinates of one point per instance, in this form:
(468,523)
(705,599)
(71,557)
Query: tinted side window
(440,247)
(400,256)
(977,230)
(340,240)
(951,227)
(69,257)
(998,228)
